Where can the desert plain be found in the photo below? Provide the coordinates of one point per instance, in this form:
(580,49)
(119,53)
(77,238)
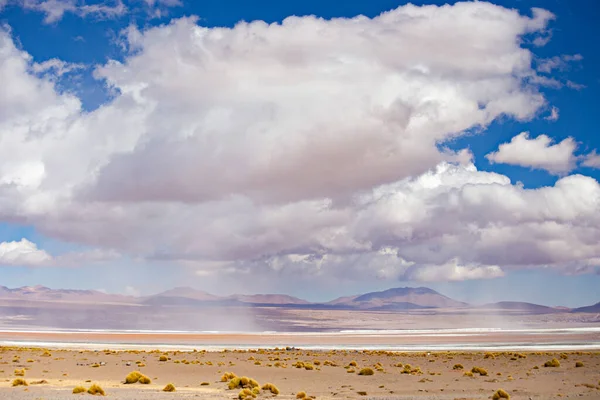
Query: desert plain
(56,344)
(326,374)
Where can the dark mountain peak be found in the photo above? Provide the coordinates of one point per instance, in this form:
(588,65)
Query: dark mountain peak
(589,309)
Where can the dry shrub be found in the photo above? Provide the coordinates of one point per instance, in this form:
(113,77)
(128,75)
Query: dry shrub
(133,377)
(479,370)
(366,371)
(96,390)
(19,382)
(301,395)
(169,388)
(246,393)
(271,388)
(79,389)
(578,364)
(500,394)
(554,363)
(458,366)
(227,376)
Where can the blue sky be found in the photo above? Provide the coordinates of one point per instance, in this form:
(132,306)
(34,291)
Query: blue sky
(112,201)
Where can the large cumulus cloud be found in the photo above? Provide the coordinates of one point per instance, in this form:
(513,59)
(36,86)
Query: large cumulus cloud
(312,147)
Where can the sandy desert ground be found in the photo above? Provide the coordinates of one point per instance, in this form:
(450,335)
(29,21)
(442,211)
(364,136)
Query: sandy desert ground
(53,374)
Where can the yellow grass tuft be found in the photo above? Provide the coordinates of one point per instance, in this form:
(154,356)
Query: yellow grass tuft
(301,395)
(133,377)
(144,380)
(366,371)
(479,370)
(458,366)
(19,382)
(227,376)
(247,393)
(169,388)
(19,372)
(578,364)
(554,363)
(234,383)
(162,358)
(500,394)
(204,384)
(79,389)
(271,388)
(96,390)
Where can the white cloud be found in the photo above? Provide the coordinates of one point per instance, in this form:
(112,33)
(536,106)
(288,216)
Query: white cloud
(592,160)
(547,65)
(453,271)
(554,114)
(132,291)
(56,67)
(537,153)
(22,252)
(309,147)
(55,9)
(160,8)
(26,253)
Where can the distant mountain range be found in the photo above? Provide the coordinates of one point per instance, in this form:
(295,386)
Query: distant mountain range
(589,309)
(396,299)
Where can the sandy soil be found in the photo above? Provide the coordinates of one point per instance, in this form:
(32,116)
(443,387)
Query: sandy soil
(382,339)
(522,375)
